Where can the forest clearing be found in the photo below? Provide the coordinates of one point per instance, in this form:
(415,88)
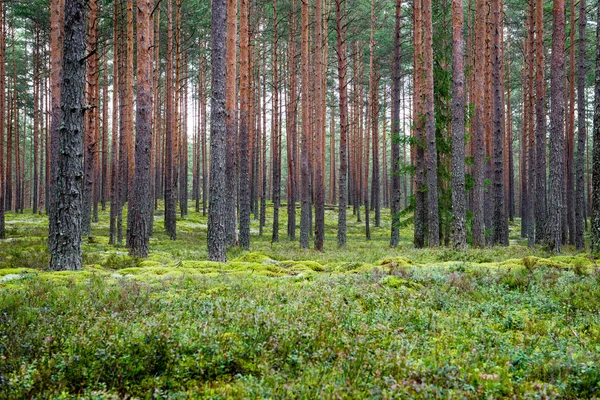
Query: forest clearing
(306,199)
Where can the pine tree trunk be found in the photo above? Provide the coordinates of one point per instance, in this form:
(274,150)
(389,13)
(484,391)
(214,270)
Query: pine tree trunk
(581,134)
(420,198)
(291,131)
(217,244)
(395,128)
(171,136)
(104,192)
(244,135)
(343,96)
(459,206)
(114,156)
(65,251)
(36,117)
(319,189)
(595,203)
(305,215)
(557,115)
(56,49)
(231,125)
(541,214)
(500,220)
(141,198)
(431,151)
(275,133)
(570,135)
(3,109)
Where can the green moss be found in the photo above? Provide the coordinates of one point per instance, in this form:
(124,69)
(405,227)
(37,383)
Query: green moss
(395,282)
(254,257)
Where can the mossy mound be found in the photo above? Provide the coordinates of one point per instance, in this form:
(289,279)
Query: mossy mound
(395,282)
(254,257)
(395,262)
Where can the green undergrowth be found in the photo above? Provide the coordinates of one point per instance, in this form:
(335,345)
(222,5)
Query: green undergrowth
(365,321)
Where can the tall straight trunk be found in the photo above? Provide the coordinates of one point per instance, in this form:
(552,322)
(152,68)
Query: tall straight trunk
(128,123)
(170,182)
(396,196)
(203,130)
(524,212)
(157,130)
(385,187)
(581,134)
(332,160)
(36,117)
(433,223)
(56,48)
(275,133)
(557,140)
(510,138)
(319,188)
(183,148)
(374,97)
(541,215)
(231,124)
(104,189)
(244,137)
(114,156)
(291,129)
(305,218)
(3,110)
(595,203)
(90,145)
(343,96)
(532,165)
(459,205)
(217,244)
(570,135)
(65,251)
(420,198)
(141,198)
(500,224)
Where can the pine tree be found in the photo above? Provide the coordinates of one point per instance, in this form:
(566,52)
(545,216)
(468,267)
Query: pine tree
(65,249)
(581,134)
(459,238)
(557,115)
(217,245)
(395,128)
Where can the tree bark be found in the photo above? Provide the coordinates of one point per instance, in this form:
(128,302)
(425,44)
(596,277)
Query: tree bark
(305,218)
(459,206)
(141,199)
(65,251)
(541,214)
(557,141)
(275,133)
(396,197)
(244,136)
(500,236)
(171,136)
(595,226)
(343,96)
(420,190)
(231,124)
(581,133)
(217,244)
(291,129)
(319,189)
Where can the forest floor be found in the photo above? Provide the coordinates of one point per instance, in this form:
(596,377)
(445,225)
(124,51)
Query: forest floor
(366,321)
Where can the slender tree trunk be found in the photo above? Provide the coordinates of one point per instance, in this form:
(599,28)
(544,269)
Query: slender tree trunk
(343,96)
(595,208)
(420,198)
(275,133)
(171,135)
(128,123)
(557,142)
(291,130)
(500,220)
(3,105)
(91,116)
(570,136)
(104,192)
(231,125)
(431,153)
(244,136)
(56,49)
(36,117)
(541,214)
(533,176)
(319,189)
(217,244)
(65,252)
(581,134)
(305,218)
(141,198)
(459,206)
(114,157)
(395,128)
